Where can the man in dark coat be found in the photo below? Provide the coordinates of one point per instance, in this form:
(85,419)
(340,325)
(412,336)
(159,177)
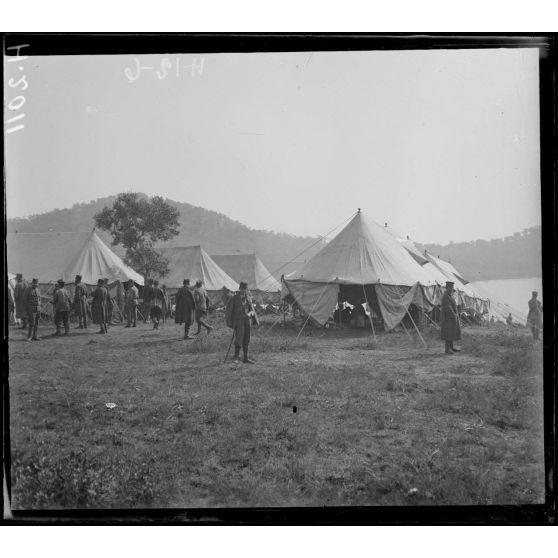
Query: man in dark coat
(156,309)
(202,307)
(62,302)
(20,300)
(146,295)
(81,292)
(99,306)
(32,300)
(241,318)
(110,303)
(450,326)
(534,318)
(185,308)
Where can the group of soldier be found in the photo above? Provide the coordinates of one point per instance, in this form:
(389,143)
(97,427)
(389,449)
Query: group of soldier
(192,306)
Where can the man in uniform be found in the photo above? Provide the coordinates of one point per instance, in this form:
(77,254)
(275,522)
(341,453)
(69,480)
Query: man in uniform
(241,317)
(99,306)
(81,292)
(32,301)
(534,318)
(131,304)
(227,294)
(62,302)
(185,308)
(166,304)
(202,306)
(147,290)
(450,326)
(110,303)
(20,300)
(156,304)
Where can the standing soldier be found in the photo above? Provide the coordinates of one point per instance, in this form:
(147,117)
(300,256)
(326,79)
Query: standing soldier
(241,311)
(32,303)
(131,304)
(226,295)
(81,292)
(185,308)
(202,306)
(534,318)
(99,306)
(156,304)
(450,326)
(110,303)
(62,302)
(120,297)
(147,290)
(20,300)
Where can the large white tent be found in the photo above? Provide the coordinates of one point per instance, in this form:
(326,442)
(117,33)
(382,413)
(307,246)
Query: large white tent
(363,263)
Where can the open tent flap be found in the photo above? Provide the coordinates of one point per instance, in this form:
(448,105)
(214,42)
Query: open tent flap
(394,302)
(317,300)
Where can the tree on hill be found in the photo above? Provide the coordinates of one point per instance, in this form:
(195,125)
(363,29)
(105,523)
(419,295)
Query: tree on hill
(138,224)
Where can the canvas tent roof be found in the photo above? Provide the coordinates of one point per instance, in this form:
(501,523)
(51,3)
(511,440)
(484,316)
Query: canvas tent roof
(364,253)
(248,268)
(95,260)
(193,262)
(42,255)
(51,256)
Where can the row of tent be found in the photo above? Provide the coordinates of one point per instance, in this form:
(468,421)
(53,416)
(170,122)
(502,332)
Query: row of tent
(53,256)
(364,264)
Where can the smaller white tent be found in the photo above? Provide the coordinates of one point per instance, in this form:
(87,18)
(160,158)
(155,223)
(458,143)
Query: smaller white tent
(193,262)
(250,269)
(95,260)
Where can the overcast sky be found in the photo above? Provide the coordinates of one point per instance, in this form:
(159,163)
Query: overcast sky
(443,145)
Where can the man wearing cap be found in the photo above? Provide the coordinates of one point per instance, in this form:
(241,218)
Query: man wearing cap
(450,326)
(202,306)
(20,300)
(99,306)
(146,294)
(81,292)
(242,313)
(62,303)
(32,300)
(185,308)
(132,297)
(534,318)
(156,304)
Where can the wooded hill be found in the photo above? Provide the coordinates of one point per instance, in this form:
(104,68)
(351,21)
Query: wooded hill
(511,257)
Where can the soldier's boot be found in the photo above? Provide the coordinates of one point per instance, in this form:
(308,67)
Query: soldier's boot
(35,327)
(186,333)
(57,330)
(448,348)
(247,359)
(454,349)
(236,357)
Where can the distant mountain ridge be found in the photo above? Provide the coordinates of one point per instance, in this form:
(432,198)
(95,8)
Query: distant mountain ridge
(512,257)
(217,233)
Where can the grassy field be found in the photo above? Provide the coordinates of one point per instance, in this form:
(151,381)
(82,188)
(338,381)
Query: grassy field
(376,423)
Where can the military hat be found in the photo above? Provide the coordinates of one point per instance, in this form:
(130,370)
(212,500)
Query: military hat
(19,276)
(61,282)
(199,283)
(449,284)
(243,285)
(186,282)
(34,281)
(534,293)
(100,282)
